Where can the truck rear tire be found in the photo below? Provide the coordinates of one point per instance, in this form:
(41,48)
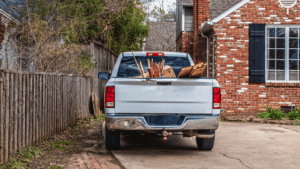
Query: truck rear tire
(112,139)
(206,143)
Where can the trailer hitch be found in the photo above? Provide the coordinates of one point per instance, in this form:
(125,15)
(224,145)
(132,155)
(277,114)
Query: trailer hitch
(166,134)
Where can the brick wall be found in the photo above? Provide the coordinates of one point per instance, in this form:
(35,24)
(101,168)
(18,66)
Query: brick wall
(201,14)
(232,56)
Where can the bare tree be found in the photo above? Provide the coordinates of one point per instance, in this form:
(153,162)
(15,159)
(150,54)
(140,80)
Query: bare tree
(52,34)
(161,37)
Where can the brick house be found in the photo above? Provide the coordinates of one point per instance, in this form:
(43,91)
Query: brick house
(253,50)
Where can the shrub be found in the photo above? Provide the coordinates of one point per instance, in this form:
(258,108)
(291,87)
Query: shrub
(271,113)
(295,114)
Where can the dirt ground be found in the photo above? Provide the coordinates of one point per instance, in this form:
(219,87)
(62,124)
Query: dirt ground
(80,146)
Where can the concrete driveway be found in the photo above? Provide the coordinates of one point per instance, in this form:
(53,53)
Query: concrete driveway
(238,145)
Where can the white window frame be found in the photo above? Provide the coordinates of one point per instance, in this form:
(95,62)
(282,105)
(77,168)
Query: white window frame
(287,28)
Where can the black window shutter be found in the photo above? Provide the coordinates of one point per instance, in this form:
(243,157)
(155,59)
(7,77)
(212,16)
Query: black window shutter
(257,53)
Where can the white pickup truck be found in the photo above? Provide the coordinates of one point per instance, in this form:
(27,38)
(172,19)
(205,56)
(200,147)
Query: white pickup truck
(189,106)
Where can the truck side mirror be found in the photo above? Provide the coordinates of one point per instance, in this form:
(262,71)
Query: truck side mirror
(104,75)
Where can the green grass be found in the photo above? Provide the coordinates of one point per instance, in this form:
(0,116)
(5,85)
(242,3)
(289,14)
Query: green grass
(56,167)
(297,123)
(30,153)
(100,118)
(58,146)
(75,125)
(25,154)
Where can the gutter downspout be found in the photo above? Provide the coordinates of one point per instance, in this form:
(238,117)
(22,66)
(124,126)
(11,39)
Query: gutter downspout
(206,53)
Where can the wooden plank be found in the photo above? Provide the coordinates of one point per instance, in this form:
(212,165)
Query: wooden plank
(11,115)
(41,108)
(2,116)
(23,110)
(64,102)
(27,113)
(19,110)
(7,99)
(58,104)
(30,110)
(54,103)
(15,108)
(78,91)
(69,101)
(34,100)
(44,112)
(37,111)
(34,110)
(50,106)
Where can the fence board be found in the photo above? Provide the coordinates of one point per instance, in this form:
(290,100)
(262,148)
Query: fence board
(19,110)
(11,115)
(23,111)
(34,110)
(2,108)
(7,115)
(27,110)
(15,111)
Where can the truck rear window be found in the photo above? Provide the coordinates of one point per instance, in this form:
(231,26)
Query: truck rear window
(129,68)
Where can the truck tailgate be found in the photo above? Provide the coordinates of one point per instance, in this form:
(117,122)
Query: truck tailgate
(163,96)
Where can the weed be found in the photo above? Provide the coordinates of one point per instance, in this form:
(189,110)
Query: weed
(17,165)
(297,123)
(271,113)
(66,142)
(72,133)
(294,115)
(3,166)
(75,125)
(56,167)
(30,153)
(51,144)
(57,145)
(100,118)
(49,156)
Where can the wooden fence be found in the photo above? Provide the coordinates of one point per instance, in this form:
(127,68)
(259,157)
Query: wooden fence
(36,106)
(105,60)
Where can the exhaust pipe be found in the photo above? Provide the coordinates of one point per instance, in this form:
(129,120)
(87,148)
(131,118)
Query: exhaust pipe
(204,135)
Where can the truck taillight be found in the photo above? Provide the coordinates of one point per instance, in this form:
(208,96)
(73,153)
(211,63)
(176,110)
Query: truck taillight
(155,54)
(110,97)
(217,98)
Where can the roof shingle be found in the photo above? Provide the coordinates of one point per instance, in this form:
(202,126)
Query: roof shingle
(217,7)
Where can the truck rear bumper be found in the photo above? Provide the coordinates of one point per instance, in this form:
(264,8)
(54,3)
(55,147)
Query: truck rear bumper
(140,123)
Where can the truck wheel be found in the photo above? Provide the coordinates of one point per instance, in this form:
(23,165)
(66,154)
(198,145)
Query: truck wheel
(206,143)
(112,139)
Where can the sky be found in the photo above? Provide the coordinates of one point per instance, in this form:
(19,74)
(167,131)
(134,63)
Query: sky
(158,3)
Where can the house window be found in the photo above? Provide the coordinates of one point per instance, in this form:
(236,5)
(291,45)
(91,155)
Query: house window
(282,61)
(288,3)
